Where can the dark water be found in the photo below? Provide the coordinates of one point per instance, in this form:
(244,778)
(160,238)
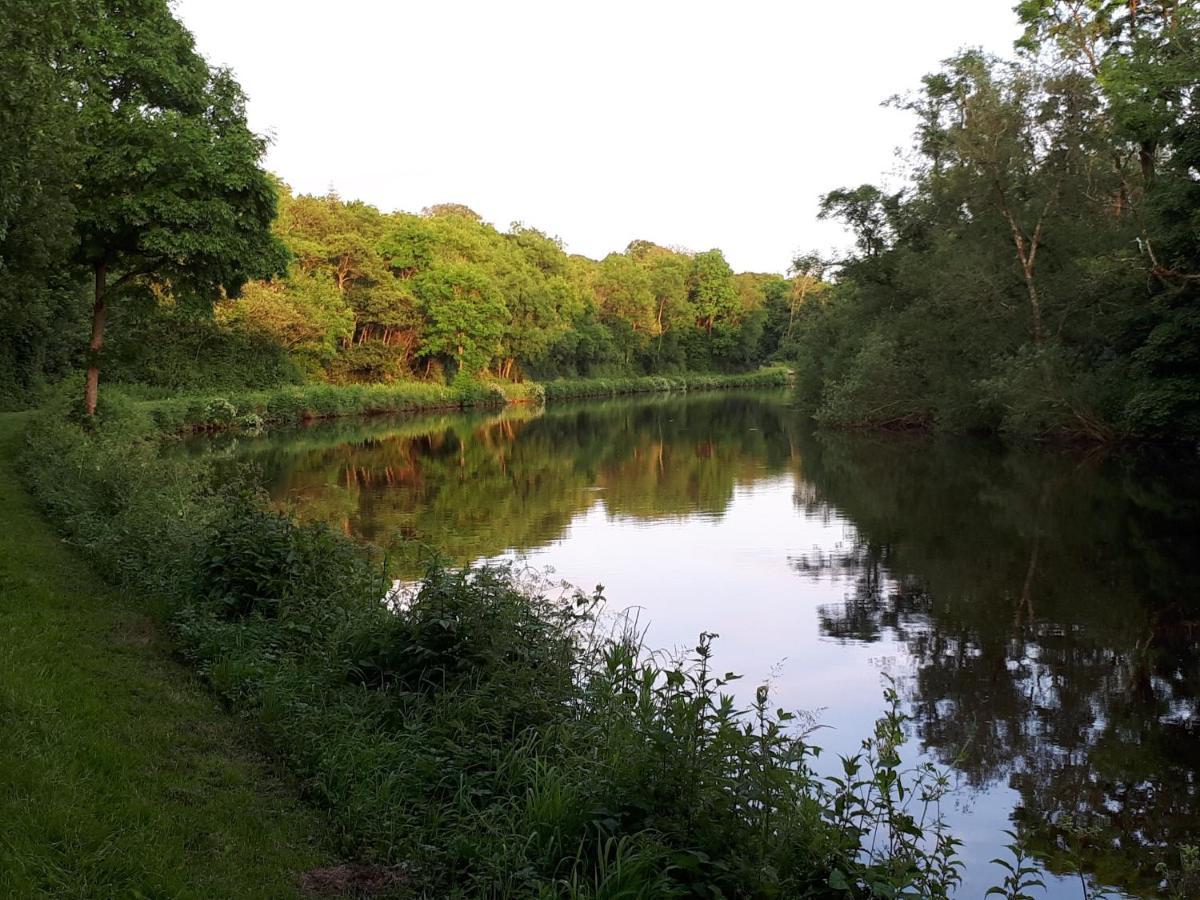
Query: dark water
(1039,610)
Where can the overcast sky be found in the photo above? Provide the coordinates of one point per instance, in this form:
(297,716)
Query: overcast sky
(697,124)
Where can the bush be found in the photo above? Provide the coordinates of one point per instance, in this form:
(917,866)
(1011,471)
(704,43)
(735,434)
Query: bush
(1043,392)
(173,349)
(879,389)
(219,411)
(257,562)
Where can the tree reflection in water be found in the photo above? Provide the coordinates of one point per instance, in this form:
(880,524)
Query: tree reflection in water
(1051,604)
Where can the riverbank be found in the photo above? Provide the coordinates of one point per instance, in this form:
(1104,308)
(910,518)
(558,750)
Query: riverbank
(311,402)
(580,388)
(120,776)
(487,737)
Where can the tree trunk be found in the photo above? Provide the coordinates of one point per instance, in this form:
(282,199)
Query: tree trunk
(1035,303)
(1027,251)
(99,315)
(1146,154)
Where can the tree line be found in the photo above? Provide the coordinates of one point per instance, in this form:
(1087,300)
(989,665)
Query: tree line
(1040,270)
(377,296)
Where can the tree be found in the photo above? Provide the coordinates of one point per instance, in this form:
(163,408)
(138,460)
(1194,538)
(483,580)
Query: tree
(625,301)
(464,313)
(669,284)
(711,289)
(1133,49)
(866,209)
(170,188)
(808,271)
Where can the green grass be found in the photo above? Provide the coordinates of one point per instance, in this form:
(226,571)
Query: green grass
(301,403)
(120,776)
(572,388)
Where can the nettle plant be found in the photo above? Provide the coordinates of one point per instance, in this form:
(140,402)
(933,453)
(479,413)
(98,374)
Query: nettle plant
(891,813)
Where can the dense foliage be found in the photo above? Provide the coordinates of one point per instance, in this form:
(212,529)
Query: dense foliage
(40,295)
(1041,271)
(376,297)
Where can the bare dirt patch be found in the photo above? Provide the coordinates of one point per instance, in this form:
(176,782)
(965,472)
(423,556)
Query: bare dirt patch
(352,880)
(135,631)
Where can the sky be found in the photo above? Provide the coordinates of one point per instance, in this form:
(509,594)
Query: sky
(692,124)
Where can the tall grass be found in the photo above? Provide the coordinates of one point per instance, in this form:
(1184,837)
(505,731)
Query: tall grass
(569,388)
(299,403)
(484,731)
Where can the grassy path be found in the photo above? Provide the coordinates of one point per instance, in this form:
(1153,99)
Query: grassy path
(119,775)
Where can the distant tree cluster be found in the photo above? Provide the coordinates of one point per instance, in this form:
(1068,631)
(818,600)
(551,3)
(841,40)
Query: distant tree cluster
(376,296)
(1041,272)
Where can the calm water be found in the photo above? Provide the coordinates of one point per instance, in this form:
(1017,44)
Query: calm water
(1039,610)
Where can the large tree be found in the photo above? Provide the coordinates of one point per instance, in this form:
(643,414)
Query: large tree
(170,189)
(711,289)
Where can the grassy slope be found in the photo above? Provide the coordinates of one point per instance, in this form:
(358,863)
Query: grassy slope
(119,775)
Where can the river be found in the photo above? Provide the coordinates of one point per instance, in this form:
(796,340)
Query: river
(1038,609)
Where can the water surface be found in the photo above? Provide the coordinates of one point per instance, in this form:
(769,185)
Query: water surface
(1040,610)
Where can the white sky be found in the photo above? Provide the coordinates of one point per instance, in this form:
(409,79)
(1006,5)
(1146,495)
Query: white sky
(698,124)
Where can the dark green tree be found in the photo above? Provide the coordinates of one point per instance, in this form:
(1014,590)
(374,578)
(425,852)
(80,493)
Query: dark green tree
(170,189)
(38,157)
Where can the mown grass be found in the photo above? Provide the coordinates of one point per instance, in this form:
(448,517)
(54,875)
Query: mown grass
(120,775)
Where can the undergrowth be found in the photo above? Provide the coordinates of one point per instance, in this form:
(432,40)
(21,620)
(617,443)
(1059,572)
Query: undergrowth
(569,388)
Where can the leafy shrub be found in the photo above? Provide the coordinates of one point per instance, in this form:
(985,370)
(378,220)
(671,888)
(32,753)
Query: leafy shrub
(258,562)
(371,362)
(219,411)
(173,348)
(880,388)
(251,422)
(1041,391)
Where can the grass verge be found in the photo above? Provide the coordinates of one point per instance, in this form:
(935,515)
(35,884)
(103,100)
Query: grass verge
(300,403)
(571,388)
(120,776)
